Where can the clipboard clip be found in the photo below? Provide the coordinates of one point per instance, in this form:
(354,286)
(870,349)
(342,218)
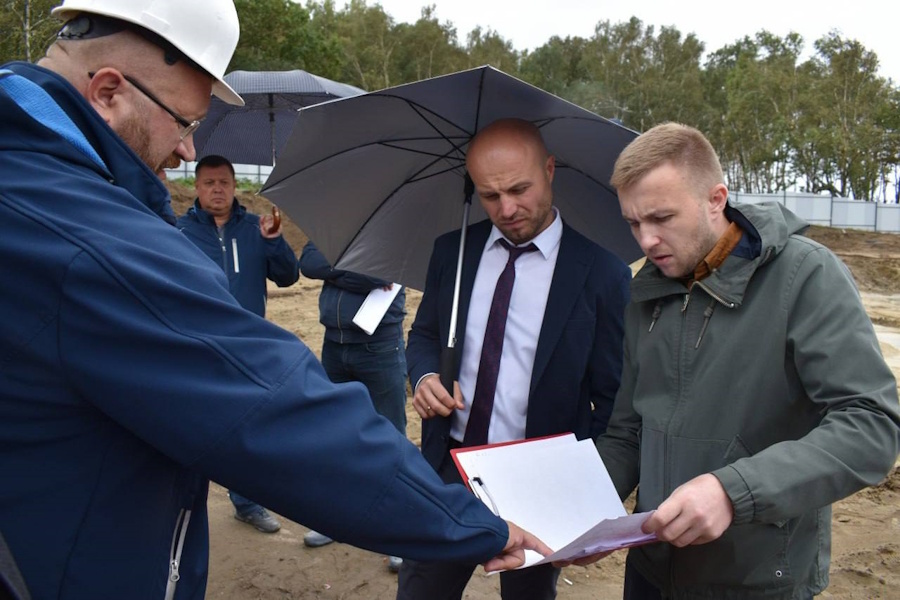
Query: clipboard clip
(481,492)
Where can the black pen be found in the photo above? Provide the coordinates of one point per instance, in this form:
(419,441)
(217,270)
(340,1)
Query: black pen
(487,494)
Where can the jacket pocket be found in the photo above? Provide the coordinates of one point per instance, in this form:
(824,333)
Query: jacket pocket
(752,557)
(383,347)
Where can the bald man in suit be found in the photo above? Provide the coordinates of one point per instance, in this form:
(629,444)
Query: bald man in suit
(561,355)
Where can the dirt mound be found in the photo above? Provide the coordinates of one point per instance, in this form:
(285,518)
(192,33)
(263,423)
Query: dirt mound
(871,256)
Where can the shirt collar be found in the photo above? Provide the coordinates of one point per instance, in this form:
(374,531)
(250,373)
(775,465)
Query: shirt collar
(546,241)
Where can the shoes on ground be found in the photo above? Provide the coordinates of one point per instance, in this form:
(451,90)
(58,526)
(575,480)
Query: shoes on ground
(394,564)
(261,519)
(314,539)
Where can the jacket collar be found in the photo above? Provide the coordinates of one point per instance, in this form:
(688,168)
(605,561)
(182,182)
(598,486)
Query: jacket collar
(125,169)
(238,211)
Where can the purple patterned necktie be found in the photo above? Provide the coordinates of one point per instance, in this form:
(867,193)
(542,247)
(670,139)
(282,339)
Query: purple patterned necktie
(489,367)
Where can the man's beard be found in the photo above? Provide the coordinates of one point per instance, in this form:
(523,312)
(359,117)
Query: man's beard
(136,134)
(171,162)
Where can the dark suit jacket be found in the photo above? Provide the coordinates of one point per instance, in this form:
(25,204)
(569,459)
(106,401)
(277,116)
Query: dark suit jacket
(578,360)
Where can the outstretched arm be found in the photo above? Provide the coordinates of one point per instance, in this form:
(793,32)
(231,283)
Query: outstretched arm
(314,265)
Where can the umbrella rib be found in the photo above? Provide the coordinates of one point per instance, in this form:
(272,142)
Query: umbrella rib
(563,164)
(391,144)
(418,109)
(414,178)
(608,188)
(478,104)
(411,179)
(446,155)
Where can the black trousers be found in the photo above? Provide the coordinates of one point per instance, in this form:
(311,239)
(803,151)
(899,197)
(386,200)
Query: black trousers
(637,587)
(447,581)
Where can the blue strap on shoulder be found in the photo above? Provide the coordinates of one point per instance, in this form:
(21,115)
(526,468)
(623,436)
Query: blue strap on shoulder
(36,102)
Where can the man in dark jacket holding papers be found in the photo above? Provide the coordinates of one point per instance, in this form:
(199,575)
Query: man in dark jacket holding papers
(376,359)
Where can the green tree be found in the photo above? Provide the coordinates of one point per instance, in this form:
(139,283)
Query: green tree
(672,82)
(487,47)
(279,35)
(852,111)
(367,42)
(26,29)
(889,119)
(762,90)
(617,55)
(558,66)
(646,79)
(426,48)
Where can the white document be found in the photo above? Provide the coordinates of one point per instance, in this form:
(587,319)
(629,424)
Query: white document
(558,489)
(374,307)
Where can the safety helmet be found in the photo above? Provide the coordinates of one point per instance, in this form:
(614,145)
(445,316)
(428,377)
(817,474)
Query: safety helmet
(205,31)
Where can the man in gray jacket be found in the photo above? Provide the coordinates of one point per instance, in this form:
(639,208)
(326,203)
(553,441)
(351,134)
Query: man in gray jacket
(754,393)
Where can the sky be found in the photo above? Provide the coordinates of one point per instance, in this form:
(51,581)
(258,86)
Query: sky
(529,24)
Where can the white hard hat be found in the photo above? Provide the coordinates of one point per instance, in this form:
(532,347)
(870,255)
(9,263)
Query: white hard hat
(205,31)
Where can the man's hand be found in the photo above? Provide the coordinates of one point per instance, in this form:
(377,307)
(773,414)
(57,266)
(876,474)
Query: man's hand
(270,225)
(513,554)
(432,400)
(697,512)
(583,561)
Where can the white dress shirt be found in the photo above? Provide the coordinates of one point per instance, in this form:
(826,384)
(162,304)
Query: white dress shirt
(534,272)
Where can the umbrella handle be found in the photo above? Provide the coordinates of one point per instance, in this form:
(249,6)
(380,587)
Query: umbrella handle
(448,366)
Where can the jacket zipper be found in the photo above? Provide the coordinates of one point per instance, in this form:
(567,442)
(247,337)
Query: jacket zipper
(707,315)
(708,312)
(224,251)
(178,536)
(657,310)
(715,296)
(339,324)
(234,254)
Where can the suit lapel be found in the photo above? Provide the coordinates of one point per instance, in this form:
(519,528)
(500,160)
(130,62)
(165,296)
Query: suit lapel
(569,276)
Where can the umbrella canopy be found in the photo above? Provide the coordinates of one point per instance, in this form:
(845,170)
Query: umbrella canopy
(256,132)
(374,179)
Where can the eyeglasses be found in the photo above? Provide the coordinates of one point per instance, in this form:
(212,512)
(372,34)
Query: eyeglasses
(187,127)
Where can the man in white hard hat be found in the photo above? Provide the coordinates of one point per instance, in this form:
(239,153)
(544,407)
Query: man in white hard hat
(130,376)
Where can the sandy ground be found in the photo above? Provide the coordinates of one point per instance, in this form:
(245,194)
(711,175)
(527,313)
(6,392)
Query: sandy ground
(252,565)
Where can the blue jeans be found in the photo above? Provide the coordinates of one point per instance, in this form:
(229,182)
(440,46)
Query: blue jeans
(243,506)
(380,366)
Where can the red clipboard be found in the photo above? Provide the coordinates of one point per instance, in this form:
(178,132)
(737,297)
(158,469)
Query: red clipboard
(465,476)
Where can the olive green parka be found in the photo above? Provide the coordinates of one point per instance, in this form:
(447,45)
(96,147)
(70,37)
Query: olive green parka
(768,375)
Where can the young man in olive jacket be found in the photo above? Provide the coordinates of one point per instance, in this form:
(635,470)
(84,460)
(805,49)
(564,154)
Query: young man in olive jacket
(754,393)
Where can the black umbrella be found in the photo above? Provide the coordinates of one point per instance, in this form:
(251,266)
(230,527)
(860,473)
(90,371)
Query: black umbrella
(374,179)
(256,132)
